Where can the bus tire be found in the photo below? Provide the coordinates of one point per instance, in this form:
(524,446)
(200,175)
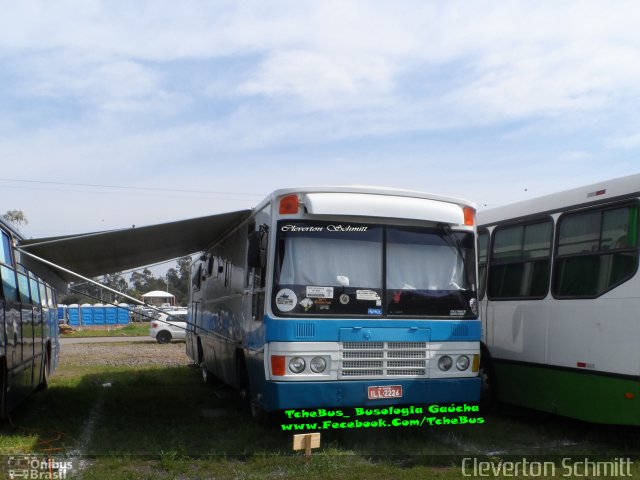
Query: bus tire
(199,352)
(208,378)
(44,381)
(488,392)
(242,376)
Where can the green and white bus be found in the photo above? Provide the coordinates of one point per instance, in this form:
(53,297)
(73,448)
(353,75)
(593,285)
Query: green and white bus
(560,290)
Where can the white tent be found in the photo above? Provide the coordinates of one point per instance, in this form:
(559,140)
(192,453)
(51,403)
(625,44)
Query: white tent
(159,297)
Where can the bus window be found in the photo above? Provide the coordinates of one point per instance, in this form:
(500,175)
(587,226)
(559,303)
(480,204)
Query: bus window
(429,272)
(35,291)
(43,294)
(5,250)
(597,251)
(9,286)
(483,250)
(520,261)
(23,289)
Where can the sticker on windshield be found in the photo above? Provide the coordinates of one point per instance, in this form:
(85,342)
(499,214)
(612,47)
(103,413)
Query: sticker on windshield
(375,311)
(457,313)
(367,295)
(320,292)
(344,299)
(286,300)
(307,303)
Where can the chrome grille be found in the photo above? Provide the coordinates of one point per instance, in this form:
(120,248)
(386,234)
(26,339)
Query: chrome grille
(363,354)
(383,359)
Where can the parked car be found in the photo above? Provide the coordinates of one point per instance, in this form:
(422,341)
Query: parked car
(144,314)
(171,325)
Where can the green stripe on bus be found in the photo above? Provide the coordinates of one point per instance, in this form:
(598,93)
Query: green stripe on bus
(585,396)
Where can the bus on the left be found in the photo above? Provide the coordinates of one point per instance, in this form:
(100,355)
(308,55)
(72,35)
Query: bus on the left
(29,342)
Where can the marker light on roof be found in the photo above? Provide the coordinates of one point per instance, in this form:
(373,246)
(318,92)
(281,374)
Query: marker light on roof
(597,193)
(289,204)
(469,216)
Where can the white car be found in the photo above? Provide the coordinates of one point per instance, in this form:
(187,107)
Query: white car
(171,325)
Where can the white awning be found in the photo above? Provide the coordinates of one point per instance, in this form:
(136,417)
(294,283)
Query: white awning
(99,253)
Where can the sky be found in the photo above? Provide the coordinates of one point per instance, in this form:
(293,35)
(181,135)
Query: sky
(127,112)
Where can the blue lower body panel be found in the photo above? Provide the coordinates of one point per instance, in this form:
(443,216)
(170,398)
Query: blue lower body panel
(286,395)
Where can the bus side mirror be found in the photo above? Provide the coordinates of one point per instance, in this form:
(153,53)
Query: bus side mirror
(253,252)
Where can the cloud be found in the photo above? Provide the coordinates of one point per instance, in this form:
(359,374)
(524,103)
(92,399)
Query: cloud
(628,142)
(321,80)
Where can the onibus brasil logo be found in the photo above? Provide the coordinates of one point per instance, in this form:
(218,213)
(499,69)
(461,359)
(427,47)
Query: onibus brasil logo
(31,467)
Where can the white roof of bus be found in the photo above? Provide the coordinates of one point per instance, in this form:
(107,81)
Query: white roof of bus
(367,190)
(99,253)
(574,198)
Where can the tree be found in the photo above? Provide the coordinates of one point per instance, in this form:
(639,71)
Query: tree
(16,217)
(117,282)
(178,279)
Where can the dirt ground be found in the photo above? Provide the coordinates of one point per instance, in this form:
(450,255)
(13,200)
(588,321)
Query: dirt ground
(125,354)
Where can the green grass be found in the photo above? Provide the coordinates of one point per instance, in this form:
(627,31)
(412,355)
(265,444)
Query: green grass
(132,330)
(162,423)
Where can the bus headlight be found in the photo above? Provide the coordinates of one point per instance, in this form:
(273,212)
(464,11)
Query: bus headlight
(445,363)
(318,364)
(296,364)
(462,362)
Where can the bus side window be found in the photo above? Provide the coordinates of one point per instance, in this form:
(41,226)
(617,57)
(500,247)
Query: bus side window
(5,250)
(596,251)
(196,279)
(483,250)
(9,285)
(520,261)
(23,289)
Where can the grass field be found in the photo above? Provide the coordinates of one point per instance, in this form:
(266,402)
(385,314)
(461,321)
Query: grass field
(150,422)
(132,330)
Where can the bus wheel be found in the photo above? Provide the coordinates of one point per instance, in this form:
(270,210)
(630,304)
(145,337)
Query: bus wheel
(259,414)
(207,377)
(488,378)
(45,375)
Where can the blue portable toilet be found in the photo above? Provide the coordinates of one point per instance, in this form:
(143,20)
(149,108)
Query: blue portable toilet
(123,314)
(86,314)
(62,312)
(74,314)
(99,314)
(111,314)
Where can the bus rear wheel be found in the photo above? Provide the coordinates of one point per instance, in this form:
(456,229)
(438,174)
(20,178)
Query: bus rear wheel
(44,382)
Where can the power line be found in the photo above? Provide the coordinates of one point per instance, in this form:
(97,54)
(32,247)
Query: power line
(122,187)
(135,194)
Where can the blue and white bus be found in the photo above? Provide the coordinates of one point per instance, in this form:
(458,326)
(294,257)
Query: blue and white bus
(28,324)
(339,297)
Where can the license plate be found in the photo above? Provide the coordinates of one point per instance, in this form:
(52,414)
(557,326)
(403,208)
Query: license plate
(389,391)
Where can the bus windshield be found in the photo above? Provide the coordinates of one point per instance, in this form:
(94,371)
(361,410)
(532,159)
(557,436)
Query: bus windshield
(332,269)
